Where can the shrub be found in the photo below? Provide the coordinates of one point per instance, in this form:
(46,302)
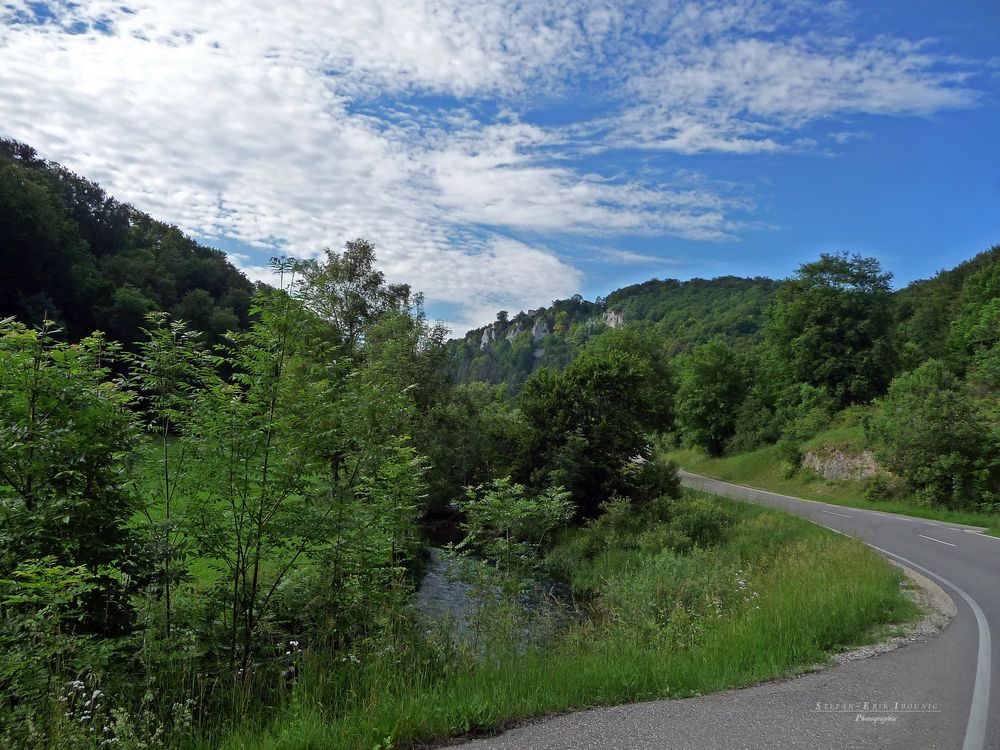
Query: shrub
(648,480)
(665,537)
(881,487)
(701,521)
(791,453)
(929,431)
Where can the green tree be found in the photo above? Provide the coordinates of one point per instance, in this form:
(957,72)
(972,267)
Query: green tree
(510,527)
(195,309)
(929,431)
(660,387)
(507,529)
(348,291)
(68,441)
(469,437)
(710,390)
(975,331)
(125,314)
(585,423)
(70,252)
(256,495)
(831,326)
(166,372)
(304,464)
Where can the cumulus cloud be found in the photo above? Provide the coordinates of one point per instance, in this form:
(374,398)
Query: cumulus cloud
(293,126)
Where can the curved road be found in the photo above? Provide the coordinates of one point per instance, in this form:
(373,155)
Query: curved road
(932,694)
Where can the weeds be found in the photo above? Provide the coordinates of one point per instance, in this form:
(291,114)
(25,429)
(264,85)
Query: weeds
(769,596)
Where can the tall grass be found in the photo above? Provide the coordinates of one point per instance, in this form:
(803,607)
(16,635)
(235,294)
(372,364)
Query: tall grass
(666,620)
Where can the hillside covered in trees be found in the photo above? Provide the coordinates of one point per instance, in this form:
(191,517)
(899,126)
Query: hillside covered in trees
(679,313)
(742,364)
(72,254)
(684,314)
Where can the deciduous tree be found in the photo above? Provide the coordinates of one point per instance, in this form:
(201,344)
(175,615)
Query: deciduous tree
(831,326)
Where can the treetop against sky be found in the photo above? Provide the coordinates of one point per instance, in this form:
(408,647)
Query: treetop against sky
(503,154)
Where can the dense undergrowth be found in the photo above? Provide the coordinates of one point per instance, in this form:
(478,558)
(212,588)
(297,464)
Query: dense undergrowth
(683,598)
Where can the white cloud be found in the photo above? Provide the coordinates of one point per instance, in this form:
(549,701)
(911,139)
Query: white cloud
(297,125)
(633,258)
(843,137)
(505,274)
(717,88)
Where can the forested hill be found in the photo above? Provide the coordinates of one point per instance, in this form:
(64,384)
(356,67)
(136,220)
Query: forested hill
(680,313)
(683,314)
(926,308)
(71,253)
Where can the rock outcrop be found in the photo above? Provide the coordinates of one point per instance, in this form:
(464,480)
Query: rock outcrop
(836,463)
(489,334)
(613,319)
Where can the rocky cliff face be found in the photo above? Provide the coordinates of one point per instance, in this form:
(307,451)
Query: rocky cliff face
(613,319)
(836,463)
(540,329)
(489,334)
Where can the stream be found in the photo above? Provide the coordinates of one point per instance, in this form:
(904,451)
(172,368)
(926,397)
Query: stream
(443,598)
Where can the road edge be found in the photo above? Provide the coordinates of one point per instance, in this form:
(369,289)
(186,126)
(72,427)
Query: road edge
(938,610)
(975,733)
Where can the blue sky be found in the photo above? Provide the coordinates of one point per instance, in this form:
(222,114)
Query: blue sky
(504,154)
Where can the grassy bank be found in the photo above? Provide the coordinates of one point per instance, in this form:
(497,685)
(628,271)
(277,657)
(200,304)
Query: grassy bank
(682,599)
(764,469)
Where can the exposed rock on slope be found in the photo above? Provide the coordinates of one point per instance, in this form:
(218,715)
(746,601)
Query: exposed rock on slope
(836,463)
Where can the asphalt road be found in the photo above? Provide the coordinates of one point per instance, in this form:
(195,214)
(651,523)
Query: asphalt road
(931,694)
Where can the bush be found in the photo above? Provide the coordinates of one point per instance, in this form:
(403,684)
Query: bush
(929,431)
(701,521)
(664,537)
(649,480)
(791,453)
(806,410)
(670,525)
(881,487)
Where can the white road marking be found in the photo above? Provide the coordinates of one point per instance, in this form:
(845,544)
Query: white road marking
(842,515)
(938,540)
(975,730)
(981,535)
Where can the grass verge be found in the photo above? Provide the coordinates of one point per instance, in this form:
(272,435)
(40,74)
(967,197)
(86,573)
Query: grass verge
(762,469)
(684,598)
